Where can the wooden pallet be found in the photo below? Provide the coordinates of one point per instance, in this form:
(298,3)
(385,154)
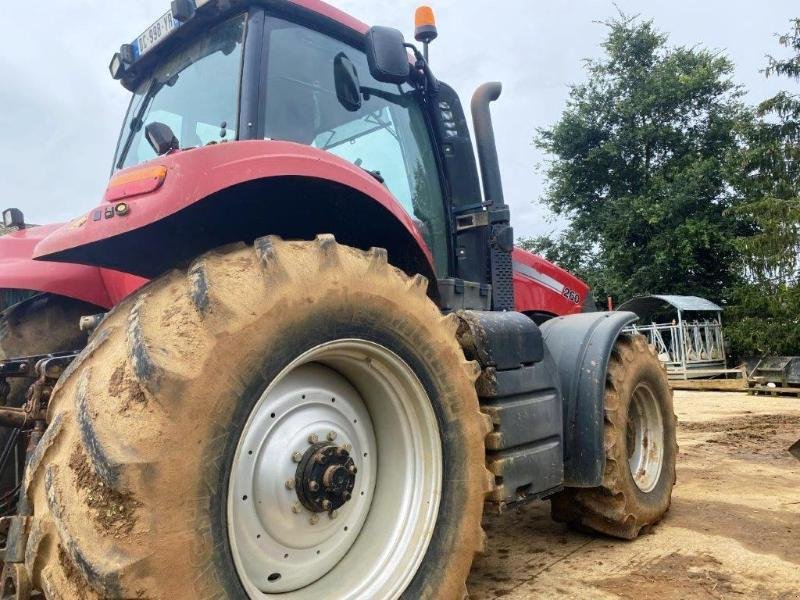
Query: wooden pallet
(710,385)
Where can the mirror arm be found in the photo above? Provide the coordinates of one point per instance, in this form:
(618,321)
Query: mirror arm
(422,75)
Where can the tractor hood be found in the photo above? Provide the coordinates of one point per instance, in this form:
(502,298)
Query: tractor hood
(542,287)
(19,271)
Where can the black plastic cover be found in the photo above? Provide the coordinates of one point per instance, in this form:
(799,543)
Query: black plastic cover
(581,346)
(503,340)
(457,294)
(387,55)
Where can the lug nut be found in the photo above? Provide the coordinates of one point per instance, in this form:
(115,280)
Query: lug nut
(346,496)
(331,435)
(348,447)
(326,504)
(296,508)
(313,486)
(297,457)
(314,519)
(290,484)
(352,470)
(334,514)
(313,438)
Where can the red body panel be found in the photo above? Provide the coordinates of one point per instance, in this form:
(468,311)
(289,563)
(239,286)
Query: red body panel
(196,174)
(542,287)
(18,270)
(333,13)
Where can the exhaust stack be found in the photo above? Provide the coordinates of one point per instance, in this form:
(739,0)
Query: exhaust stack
(501,235)
(484,139)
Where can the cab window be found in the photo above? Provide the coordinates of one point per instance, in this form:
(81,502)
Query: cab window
(386,136)
(195,92)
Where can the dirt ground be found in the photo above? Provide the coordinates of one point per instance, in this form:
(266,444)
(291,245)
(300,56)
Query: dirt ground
(733,530)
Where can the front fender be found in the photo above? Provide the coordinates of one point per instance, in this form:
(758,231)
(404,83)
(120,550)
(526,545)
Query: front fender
(19,271)
(581,346)
(222,193)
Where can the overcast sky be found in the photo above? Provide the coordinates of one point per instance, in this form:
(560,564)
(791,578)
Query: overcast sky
(60,111)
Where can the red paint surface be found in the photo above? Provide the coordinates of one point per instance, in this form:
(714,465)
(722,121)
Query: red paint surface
(532,296)
(195,174)
(18,270)
(331,12)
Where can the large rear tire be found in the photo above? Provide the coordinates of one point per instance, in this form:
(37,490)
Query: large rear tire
(193,445)
(640,446)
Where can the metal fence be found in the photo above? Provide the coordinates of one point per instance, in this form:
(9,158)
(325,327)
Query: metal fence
(687,348)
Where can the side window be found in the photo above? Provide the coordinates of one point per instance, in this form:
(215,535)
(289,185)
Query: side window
(372,143)
(387,136)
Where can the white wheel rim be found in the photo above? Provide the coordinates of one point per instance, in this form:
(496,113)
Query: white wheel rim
(369,400)
(645,438)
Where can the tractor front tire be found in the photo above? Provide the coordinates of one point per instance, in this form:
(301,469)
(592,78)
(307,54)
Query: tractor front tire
(293,420)
(640,449)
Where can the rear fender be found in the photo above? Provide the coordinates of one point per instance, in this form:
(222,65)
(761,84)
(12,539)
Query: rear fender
(581,346)
(240,191)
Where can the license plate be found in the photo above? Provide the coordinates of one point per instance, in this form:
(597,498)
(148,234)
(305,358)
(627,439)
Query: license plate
(156,33)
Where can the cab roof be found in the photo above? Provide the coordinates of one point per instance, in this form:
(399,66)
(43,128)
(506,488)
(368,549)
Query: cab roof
(208,12)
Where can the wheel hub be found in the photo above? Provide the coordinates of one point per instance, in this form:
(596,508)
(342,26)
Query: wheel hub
(309,446)
(644,438)
(325,477)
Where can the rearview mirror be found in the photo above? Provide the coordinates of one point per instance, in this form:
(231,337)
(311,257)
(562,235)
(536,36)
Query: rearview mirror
(161,138)
(348,88)
(12,217)
(387,55)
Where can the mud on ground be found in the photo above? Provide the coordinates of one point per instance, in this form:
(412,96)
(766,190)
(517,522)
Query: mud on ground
(733,530)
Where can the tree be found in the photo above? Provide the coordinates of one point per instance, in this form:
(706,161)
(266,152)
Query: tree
(765,173)
(638,168)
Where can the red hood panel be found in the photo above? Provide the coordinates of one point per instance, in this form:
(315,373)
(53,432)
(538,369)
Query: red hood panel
(18,270)
(541,286)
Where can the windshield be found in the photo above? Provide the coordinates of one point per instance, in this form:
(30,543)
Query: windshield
(195,92)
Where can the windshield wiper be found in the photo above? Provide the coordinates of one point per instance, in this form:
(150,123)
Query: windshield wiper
(138,119)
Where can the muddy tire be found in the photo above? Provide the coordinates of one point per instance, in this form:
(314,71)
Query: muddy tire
(640,447)
(177,460)
(42,324)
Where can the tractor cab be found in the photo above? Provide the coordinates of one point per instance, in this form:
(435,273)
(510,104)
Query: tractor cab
(264,74)
(218,72)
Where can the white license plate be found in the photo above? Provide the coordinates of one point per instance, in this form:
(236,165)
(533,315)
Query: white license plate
(157,33)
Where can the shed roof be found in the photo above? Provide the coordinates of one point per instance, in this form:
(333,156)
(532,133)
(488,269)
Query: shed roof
(645,304)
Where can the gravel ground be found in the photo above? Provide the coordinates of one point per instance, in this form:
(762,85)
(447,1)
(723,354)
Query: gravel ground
(733,530)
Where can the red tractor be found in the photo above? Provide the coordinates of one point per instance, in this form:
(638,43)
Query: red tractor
(313,354)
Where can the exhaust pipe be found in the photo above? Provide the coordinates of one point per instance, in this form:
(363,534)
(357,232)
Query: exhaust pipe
(501,235)
(484,139)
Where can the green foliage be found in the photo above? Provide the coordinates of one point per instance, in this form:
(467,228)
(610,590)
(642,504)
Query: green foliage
(763,321)
(765,173)
(638,168)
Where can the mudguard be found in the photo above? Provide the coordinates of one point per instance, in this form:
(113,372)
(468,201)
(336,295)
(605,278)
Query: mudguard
(195,206)
(581,346)
(19,271)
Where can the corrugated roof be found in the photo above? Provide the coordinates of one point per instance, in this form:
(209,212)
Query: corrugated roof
(643,304)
